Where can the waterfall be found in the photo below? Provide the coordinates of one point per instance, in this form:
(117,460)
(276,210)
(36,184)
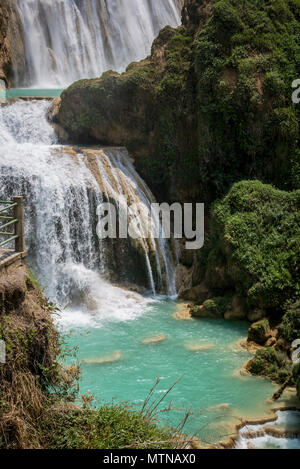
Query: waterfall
(63,186)
(65,40)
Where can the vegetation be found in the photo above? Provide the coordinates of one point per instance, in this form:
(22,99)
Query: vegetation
(290,325)
(212,308)
(245,62)
(39,397)
(275,362)
(254,242)
(253,250)
(108,427)
(271,363)
(259,332)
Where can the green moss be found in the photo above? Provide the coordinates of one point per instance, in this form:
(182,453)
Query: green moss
(257,366)
(290,326)
(212,308)
(219,305)
(257,63)
(259,332)
(255,229)
(109,427)
(271,363)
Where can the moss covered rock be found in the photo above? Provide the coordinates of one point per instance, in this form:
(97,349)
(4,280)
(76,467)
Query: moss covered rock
(290,326)
(271,363)
(259,332)
(276,362)
(214,308)
(254,241)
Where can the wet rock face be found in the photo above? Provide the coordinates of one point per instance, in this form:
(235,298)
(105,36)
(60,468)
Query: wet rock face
(11,42)
(196,12)
(4,46)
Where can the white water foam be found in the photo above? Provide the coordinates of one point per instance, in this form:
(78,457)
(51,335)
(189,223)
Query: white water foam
(103,301)
(287,420)
(62,194)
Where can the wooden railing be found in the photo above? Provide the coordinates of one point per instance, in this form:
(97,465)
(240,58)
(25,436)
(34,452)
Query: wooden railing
(12,219)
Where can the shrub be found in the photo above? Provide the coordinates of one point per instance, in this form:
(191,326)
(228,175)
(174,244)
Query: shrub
(257,230)
(272,364)
(290,326)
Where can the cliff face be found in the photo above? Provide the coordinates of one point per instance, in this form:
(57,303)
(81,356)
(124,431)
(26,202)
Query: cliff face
(210,106)
(5,57)
(11,42)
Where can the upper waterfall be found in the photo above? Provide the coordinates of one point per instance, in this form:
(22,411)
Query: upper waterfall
(66,40)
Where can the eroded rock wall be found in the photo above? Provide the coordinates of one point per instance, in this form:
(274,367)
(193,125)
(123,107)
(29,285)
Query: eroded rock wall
(11,42)
(5,56)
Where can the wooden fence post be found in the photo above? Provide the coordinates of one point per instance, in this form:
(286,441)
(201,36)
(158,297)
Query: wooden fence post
(19,226)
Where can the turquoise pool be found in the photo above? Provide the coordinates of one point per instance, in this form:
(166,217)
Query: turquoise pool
(118,366)
(31,92)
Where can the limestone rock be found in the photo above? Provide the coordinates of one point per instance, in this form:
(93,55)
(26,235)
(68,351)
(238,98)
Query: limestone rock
(154,340)
(259,332)
(12,289)
(12,52)
(113,357)
(183,278)
(270,342)
(198,346)
(196,13)
(183,315)
(207,310)
(199,294)
(256,315)
(237,310)
(187,256)
(53,109)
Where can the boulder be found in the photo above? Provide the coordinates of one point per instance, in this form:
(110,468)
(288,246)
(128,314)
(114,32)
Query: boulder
(259,332)
(214,308)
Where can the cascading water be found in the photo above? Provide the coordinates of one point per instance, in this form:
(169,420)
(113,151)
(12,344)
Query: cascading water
(65,40)
(63,187)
